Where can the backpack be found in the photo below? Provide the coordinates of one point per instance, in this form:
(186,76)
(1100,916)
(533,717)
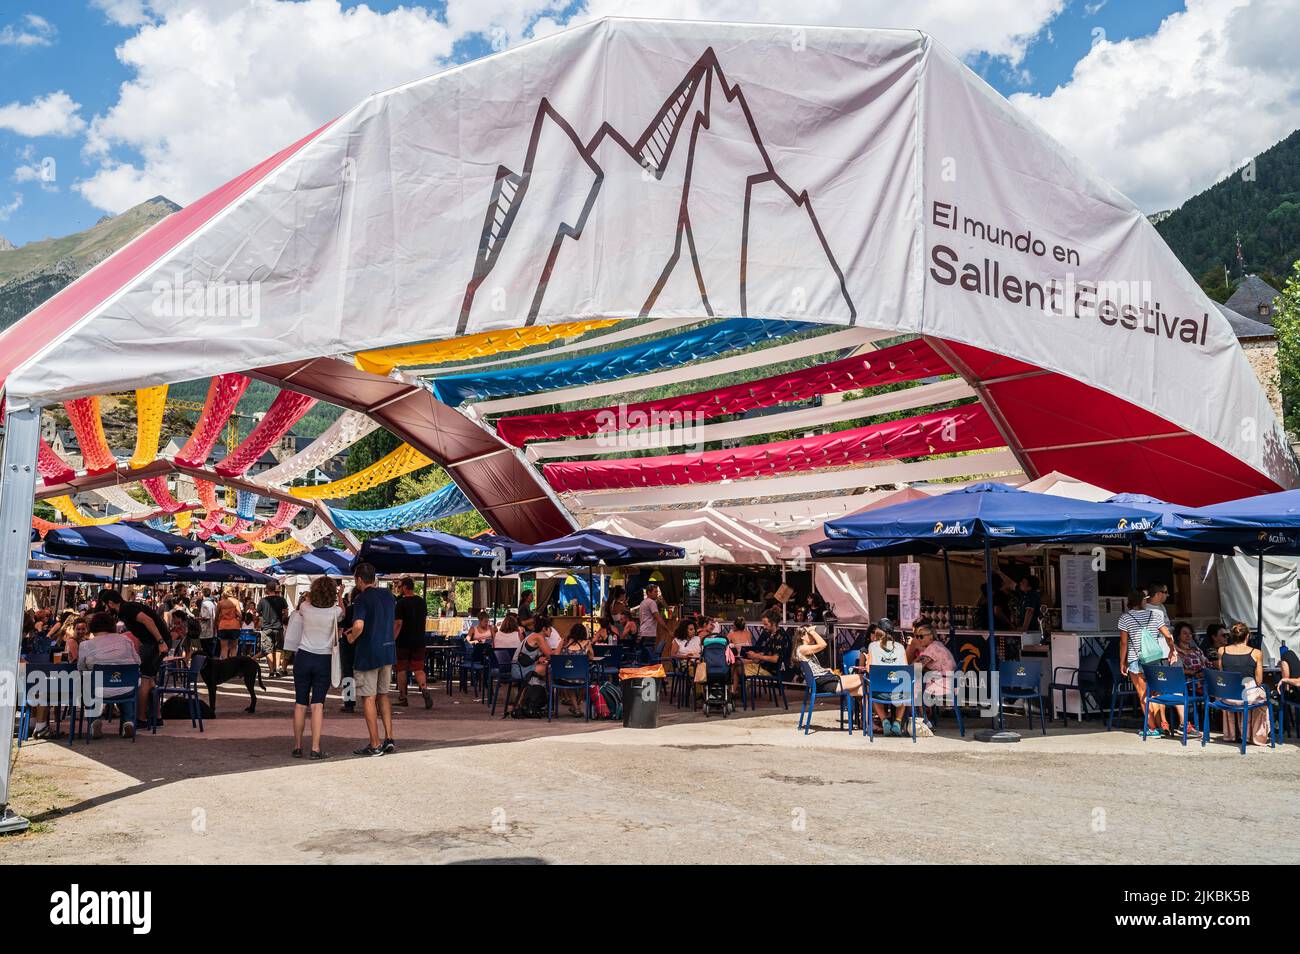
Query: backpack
(531,704)
(612,696)
(598,704)
(1149,648)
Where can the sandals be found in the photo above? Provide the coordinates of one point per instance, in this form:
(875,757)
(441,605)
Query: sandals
(296,753)
(317,755)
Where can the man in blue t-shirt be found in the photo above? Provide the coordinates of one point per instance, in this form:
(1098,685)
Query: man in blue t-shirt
(373,633)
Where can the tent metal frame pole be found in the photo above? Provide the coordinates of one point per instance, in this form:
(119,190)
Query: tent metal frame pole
(1259,599)
(993,639)
(1133,563)
(17,489)
(947,583)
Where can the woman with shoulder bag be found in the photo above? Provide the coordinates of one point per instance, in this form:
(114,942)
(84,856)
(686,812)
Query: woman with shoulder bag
(1144,638)
(311,635)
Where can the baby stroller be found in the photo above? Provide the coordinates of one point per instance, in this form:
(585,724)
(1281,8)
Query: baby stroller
(717,677)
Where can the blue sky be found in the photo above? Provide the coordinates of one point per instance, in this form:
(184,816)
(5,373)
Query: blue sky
(110,92)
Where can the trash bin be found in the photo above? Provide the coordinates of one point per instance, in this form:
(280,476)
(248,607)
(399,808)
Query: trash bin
(640,703)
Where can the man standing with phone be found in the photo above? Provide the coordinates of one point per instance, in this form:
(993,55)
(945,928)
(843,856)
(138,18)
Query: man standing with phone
(374,632)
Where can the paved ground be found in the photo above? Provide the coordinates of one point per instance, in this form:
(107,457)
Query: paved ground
(466,787)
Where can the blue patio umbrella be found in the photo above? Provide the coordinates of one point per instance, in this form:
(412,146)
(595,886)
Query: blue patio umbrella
(125,543)
(429,551)
(1262,525)
(980,517)
(215,571)
(592,548)
(323,561)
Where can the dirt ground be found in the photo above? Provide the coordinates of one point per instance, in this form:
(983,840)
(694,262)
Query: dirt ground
(465,787)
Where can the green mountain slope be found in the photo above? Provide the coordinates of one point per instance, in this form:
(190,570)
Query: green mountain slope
(1260,202)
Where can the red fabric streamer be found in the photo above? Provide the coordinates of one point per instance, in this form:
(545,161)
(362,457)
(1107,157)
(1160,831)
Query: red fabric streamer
(157,489)
(43,527)
(207,492)
(283,514)
(903,362)
(284,412)
(89,428)
(224,393)
(959,429)
(53,468)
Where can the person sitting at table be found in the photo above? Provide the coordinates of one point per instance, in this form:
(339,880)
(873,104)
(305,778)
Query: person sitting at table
(1191,657)
(108,647)
(1289,682)
(886,650)
(542,625)
(1238,656)
(532,659)
(1216,637)
(575,643)
(508,636)
(936,661)
(483,630)
(770,649)
(807,644)
(686,641)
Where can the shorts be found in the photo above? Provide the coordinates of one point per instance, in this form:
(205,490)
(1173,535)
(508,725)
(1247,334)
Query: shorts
(828,682)
(410,660)
(754,669)
(228,635)
(149,662)
(276,637)
(311,677)
(373,682)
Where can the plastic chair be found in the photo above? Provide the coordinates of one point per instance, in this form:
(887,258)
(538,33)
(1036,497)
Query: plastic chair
(502,673)
(948,685)
(1021,679)
(1166,686)
(183,683)
(847,700)
(609,662)
(1083,679)
(1226,692)
(1121,688)
(1288,705)
(51,673)
(250,639)
(888,686)
(117,677)
(568,671)
(771,683)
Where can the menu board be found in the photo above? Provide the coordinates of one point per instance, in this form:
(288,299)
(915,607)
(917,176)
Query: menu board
(909,594)
(1079,593)
(691,586)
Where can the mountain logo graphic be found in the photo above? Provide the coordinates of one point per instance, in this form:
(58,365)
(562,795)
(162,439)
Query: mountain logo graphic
(667,146)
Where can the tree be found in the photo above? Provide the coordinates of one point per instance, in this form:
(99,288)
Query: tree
(1286,322)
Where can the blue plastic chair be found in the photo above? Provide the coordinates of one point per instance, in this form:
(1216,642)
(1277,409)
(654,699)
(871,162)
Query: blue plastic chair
(183,683)
(1121,688)
(950,691)
(1022,679)
(773,684)
(117,677)
(1226,692)
(1166,686)
(502,674)
(568,671)
(51,672)
(847,701)
(889,686)
(609,660)
(250,639)
(1288,705)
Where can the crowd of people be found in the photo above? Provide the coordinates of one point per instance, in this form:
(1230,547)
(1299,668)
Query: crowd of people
(372,638)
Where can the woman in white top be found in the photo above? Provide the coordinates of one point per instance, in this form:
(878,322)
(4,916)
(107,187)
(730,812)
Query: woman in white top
(483,630)
(509,635)
(885,650)
(311,635)
(687,641)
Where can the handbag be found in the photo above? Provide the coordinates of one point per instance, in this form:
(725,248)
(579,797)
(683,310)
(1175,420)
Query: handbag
(336,666)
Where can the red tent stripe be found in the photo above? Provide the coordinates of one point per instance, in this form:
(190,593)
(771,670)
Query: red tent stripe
(960,429)
(903,362)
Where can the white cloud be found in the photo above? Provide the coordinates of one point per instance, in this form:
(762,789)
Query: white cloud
(218,86)
(54,114)
(12,207)
(1165,116)
(31,30)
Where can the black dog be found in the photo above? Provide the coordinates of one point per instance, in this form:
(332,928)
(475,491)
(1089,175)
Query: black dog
(217,671)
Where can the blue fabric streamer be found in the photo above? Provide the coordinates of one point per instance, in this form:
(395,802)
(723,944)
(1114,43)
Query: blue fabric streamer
(444,502)
(666,352)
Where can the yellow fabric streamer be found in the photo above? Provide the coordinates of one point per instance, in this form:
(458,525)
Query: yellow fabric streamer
(283,548)
(401,461)
(183,520)
(480,345)
(65,506)
(149,406)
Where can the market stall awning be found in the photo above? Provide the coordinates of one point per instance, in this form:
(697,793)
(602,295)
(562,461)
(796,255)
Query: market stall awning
(125,543)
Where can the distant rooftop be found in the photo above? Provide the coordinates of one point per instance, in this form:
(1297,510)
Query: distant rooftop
(1254,299)
(1246,329)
